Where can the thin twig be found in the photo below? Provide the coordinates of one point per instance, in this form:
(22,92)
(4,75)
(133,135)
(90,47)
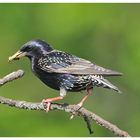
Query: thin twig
(12,76)
(73,109)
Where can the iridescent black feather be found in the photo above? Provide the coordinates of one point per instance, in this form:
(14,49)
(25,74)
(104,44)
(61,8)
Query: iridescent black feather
(59,69)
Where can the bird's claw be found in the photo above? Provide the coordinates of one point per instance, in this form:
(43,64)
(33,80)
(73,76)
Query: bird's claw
(71,117)
(79,105)
(48,102)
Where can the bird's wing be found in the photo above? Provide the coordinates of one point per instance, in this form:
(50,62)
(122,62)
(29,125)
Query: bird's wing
(61,62)
(86,67)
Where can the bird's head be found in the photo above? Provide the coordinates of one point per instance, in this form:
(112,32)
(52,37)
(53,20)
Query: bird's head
(34,48)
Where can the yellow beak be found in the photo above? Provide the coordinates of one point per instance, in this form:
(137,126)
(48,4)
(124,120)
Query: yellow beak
(16,56)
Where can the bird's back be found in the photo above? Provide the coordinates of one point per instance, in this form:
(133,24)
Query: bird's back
(61,62)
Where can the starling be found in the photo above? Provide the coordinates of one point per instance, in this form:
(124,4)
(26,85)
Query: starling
(63,71)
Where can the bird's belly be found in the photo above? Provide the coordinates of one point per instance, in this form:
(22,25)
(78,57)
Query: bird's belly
(51,81)
(67,81)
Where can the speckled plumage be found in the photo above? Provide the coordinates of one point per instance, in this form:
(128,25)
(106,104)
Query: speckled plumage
(59,69)
(63,71)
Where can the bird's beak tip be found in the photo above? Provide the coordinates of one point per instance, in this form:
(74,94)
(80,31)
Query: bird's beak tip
(16,56)
(12,58)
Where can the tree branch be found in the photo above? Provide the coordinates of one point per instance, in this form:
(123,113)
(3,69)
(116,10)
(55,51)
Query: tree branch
(73,109)
(12,76)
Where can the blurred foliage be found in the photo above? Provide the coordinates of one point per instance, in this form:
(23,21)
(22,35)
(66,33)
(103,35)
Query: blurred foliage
(107,34)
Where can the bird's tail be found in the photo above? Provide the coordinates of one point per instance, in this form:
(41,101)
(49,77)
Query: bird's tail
(106,84)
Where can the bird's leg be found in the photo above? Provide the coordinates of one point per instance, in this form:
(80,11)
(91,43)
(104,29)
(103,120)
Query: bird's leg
(89,91)
(50,100)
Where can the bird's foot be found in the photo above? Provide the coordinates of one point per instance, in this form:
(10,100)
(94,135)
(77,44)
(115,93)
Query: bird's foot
(79,106)
(81,103)
(49,101)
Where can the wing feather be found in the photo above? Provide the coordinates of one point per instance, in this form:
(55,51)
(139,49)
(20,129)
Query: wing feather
(62,62)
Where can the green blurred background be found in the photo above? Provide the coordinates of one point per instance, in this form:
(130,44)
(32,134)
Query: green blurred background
(107,34)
